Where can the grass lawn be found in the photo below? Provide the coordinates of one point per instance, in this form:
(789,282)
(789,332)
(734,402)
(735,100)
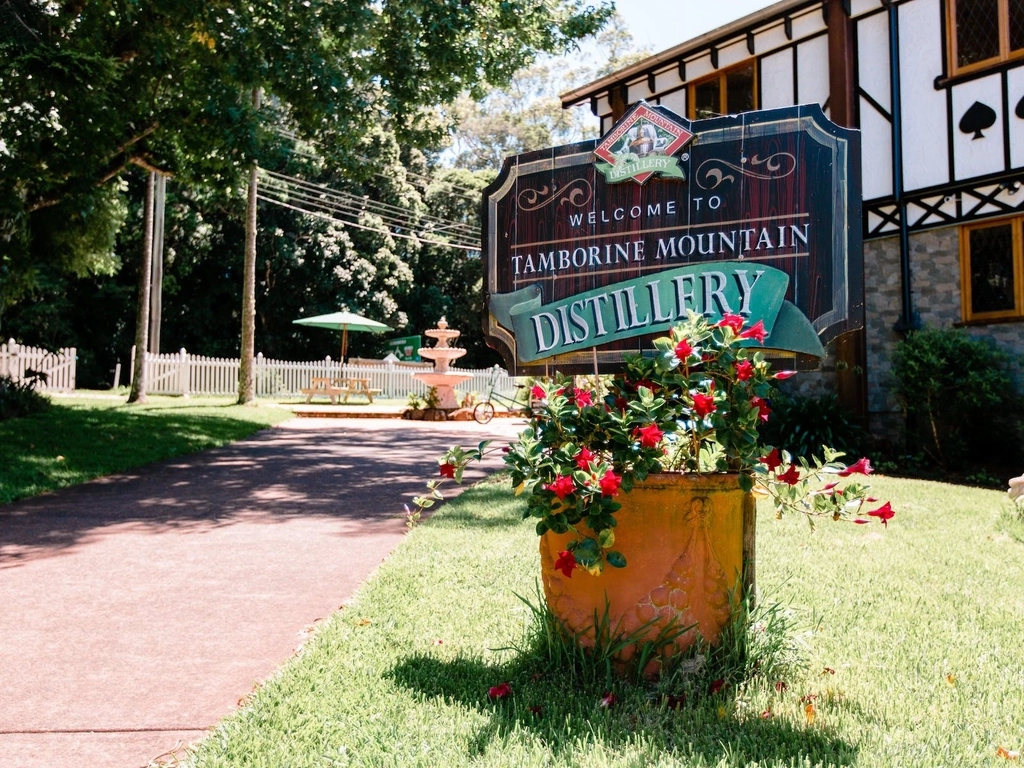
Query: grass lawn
(80,438)
(916,657)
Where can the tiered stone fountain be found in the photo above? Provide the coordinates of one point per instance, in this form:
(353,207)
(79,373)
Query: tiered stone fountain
(441,378)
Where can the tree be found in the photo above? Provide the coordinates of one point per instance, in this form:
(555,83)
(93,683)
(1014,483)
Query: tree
(448,281)
(90,87)
(527,114)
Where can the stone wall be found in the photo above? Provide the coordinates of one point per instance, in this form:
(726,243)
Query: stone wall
(935,278)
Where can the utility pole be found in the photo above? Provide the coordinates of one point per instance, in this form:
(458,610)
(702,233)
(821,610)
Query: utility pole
(156,310)
(138,393)
(246,379)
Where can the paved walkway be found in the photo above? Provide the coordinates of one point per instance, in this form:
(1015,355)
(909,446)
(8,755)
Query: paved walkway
(136,610)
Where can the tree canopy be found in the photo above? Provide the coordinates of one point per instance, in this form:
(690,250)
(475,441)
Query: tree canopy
(91,87)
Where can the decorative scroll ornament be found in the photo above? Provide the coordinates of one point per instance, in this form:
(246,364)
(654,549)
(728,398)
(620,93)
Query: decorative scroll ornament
(577,194)
(711,173)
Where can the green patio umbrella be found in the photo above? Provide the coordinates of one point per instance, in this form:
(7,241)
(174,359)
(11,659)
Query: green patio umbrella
(344,322)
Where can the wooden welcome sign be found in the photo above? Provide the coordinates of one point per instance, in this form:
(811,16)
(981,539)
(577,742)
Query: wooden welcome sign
(593,249)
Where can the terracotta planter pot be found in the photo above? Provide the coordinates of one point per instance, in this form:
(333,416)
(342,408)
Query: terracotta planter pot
(686,540)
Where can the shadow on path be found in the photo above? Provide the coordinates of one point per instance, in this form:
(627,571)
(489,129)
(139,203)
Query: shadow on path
(350,471)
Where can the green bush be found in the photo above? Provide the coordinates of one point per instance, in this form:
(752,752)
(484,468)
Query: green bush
(958,394)
(802,425)
(19,398)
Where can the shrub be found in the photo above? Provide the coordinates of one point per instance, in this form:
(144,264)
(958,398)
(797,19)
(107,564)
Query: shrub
(958,393)
(802,425)
(19,398)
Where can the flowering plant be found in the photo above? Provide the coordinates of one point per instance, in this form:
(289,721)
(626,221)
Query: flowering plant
(694,406)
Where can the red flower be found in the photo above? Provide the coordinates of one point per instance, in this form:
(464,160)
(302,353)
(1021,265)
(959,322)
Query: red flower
(610,484)
(717,686)
(744,370)
(884,513)
(565,563)
(582,397)
(609,700)
(862,467)
(767,715)
(762,407)
(683,350)
(781,686)
(648,436)
(791,476)
(562,486)
(756,331)
(781,375)
(448,470)
(773,461)
(500,691)
(703,404)
(731,321)
(584,457)
(537,392)
(861,521)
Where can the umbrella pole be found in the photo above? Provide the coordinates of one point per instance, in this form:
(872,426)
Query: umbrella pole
(344,346)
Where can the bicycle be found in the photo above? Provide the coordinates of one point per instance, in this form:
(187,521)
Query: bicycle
(484,411)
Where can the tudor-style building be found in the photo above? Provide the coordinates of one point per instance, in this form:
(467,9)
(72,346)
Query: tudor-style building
(936,88)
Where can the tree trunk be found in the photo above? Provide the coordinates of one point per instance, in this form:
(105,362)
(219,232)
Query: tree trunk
(246,383)
(138,393)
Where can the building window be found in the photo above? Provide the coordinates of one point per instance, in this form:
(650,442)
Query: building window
(726,93)
(985,32)
(992,270)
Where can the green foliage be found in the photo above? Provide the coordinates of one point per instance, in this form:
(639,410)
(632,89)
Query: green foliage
(802,425)
(1011,520)
(19,398)
(762,641)
(88,90)
(957,392)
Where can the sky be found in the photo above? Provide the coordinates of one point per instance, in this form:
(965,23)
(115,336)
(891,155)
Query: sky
(661,24)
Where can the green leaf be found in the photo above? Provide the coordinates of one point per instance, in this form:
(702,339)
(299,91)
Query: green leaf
(615,559)
(606,538)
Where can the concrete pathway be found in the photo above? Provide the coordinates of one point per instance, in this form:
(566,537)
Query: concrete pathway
(136,610)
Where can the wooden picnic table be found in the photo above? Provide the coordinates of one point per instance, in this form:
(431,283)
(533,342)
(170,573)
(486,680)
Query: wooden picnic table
(336,387)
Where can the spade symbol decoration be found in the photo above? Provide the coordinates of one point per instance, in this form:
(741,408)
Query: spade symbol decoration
(1019,111)
(977,119)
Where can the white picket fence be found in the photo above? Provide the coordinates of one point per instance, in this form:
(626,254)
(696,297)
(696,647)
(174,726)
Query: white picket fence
(59,368)
(186,374)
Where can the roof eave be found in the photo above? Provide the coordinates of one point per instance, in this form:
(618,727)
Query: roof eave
(579,95)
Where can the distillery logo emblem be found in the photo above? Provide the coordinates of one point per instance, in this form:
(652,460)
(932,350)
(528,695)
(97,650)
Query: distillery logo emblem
(640,145)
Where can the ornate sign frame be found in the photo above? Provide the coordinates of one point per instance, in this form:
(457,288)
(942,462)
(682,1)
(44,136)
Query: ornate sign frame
(592,249)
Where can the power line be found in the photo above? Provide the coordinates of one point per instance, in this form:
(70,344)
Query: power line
(349,200)
(465,238)
(414,238)
(467,193)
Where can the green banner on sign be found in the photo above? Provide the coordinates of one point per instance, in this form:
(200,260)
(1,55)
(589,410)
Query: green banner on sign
(654,303)
(631,165)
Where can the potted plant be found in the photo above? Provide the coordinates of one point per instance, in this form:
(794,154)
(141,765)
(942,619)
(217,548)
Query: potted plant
(642,484)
